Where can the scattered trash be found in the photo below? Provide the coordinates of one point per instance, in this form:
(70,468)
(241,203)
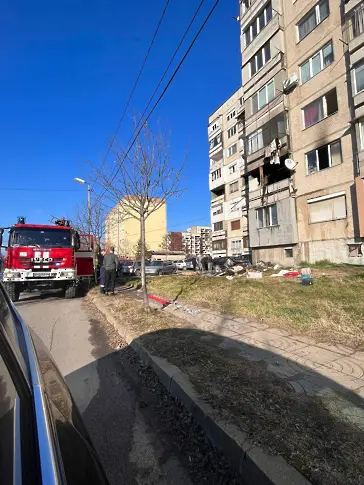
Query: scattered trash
(292,274)
(230,278)
(307,281)
(306,271)
(177,306)
(276,266)
(255,275)
(281,273)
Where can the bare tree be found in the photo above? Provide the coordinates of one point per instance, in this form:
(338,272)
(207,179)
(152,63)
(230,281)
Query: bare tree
(97,222)
(140,181)
(166,242)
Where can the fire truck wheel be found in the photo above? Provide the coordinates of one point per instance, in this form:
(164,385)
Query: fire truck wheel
(70,292)
(12,290)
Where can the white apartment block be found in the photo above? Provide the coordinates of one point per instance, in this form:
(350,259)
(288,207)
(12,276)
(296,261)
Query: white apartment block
(228,205)
(197,240)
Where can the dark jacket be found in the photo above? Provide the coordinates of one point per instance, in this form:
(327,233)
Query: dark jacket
(110,262)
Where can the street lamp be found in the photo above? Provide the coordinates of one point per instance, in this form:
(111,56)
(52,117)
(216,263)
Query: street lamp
(81,181)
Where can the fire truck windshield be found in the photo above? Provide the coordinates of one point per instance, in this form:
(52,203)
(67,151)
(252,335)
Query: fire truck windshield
(40,238)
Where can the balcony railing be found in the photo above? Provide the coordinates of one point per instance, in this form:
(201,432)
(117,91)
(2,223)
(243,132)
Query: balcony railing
(354,26)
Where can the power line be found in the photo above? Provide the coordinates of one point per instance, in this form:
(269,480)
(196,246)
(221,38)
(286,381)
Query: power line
(38,190)
(142,122)
(137,80)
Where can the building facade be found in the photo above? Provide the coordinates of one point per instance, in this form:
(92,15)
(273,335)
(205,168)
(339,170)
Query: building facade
(122,231)
(227,187)
(303,150)
(197,240)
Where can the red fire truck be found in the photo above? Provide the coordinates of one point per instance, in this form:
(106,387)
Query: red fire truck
(56,256)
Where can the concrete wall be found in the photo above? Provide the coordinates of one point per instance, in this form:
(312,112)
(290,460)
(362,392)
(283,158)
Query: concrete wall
(275,255)
(285,233)
(335,250)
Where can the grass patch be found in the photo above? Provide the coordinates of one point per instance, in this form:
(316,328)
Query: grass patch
(326,449)
(330,310)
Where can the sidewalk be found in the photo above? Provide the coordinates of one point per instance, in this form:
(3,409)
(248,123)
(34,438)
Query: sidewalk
(259,393)
(339,367)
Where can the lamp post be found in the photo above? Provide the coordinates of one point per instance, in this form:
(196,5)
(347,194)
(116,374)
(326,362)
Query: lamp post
(81,181)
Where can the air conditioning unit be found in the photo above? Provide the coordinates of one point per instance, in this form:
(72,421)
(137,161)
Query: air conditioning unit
(290,83)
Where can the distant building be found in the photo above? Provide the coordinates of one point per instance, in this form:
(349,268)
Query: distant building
(197,240)
(123,231)
(176,242)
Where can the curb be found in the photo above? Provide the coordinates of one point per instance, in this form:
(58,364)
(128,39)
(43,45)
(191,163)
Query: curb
(252,462)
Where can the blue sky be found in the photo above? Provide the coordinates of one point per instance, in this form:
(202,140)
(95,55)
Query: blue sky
(67,69)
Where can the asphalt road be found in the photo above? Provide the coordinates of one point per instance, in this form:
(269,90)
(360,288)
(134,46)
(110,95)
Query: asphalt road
(141,434)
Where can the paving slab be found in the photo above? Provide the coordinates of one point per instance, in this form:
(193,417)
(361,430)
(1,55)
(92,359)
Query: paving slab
(348,366)
(316,354)
(271,341)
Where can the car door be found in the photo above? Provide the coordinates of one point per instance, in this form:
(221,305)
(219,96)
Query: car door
(50,444)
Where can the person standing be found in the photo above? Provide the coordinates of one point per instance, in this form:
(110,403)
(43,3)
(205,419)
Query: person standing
(102,271)
(110,264)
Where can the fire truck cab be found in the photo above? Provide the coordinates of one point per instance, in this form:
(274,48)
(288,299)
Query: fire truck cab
(55,256)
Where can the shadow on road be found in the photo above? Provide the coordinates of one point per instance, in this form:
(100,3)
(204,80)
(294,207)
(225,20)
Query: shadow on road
(322,435)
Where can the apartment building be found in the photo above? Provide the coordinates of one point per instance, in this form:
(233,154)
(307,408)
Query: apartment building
(323,126)
(122,231)
(227,186)
(303,96)
(197,240)
(273,233)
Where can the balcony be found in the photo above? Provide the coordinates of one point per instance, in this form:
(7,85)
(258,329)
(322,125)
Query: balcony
(217,200)
(217,235)
(264,35)
(216,147)
(217,213)
(354,28)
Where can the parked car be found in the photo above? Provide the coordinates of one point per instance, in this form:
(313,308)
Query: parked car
(191,263)
(160,267)
(131,268)
(42,437)
(180,264)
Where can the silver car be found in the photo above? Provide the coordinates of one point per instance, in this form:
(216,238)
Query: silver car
(160,267)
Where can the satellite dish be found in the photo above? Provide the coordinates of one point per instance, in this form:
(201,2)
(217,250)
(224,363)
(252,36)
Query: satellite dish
(290,164)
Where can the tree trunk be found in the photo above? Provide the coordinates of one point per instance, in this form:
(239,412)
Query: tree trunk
(142,269)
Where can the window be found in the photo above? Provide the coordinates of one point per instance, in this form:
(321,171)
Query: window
(234,187)
(323,58)
(288,252)
(217,210)
(323,157)
(263,96)
(327,208)
(216,174)
(231,115)
(232,150)
(255,141)
(235,245)
(245,241)
(355,24)
(218,226)
(355,250)
(231,131)
(235,225)
(359,77)
(232,169)
(258,24)
(267,216)
(215,141)
(361,133)
(314,17)
(319,109)
(219,245)
(260,59)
